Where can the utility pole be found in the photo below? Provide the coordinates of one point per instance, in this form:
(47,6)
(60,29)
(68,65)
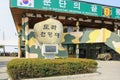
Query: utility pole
(4,44)
(3,38)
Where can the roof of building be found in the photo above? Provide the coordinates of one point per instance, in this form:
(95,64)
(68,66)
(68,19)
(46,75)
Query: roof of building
(78,10)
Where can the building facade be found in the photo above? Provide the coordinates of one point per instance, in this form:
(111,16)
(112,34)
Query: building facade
(89,29)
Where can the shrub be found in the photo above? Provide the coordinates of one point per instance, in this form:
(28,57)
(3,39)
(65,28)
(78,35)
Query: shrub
(14,54)
(34,68)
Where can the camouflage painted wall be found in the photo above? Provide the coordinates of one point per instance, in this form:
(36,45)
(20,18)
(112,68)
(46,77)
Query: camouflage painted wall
(34,47)
(93,36)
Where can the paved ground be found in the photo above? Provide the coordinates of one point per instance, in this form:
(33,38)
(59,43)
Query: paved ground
(107,70)
(3,63)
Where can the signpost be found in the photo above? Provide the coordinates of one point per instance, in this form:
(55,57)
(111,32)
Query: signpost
(116,13)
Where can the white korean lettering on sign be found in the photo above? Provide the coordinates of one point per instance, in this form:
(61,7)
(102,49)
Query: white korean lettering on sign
(47,2)
(117,11)
(76,5)
(62,3)
(94,8)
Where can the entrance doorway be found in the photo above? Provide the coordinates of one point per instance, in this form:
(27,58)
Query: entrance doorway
(82,53)
(22,47)
(71,48)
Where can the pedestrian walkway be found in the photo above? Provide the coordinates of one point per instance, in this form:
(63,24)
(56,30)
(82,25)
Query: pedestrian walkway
(68,77)
(3,67)
(107,70)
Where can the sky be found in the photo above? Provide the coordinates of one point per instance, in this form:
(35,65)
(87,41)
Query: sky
(7,26)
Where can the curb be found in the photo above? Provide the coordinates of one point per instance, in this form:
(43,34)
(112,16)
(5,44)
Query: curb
(68,77)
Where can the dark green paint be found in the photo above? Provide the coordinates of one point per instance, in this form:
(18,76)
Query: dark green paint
(68,39)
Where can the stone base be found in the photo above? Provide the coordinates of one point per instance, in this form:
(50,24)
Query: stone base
(49,56)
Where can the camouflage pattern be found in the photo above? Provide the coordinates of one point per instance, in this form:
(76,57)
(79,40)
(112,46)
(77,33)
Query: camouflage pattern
(32,49)
(31,46)
(103,35)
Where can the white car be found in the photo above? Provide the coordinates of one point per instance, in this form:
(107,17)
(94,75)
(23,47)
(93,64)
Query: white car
(104,56)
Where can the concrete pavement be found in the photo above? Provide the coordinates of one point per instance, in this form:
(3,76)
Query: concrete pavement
(107,70)
(3,74)
(3,67)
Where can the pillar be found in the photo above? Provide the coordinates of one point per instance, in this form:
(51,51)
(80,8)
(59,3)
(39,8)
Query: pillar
(25,30)
(77,50)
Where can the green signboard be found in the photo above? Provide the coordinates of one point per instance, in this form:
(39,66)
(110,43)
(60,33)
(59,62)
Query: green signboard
(116,13)
(69,6)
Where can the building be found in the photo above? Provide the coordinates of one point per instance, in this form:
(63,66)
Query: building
(89,29)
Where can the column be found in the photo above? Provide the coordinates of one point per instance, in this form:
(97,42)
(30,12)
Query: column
(26,32)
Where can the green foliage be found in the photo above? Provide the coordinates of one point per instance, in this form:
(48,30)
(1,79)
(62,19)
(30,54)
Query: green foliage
(34,68)
(14,54)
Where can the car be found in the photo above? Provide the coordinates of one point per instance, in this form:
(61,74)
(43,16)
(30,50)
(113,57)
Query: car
(104,56)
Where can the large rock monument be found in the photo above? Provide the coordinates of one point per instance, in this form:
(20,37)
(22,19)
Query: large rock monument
(49,34)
